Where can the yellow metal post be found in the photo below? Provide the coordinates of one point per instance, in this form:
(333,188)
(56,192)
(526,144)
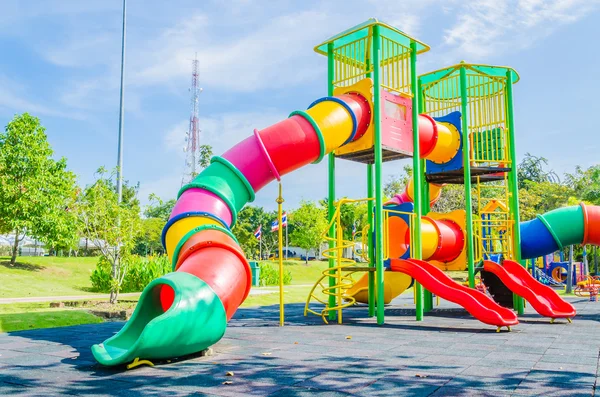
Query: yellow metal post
(339,254)
(280,230)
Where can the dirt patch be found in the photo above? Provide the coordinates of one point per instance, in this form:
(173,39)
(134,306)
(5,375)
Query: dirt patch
(119,311)
(23,266)
(57,272)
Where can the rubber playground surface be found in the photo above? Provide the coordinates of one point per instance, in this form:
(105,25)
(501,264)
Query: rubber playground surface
(448,354)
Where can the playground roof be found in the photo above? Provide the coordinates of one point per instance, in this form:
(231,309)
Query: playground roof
(364,30)
(497,74)
(471,69)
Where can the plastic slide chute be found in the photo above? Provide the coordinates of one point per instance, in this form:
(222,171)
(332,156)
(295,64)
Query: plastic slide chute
(478,304)
(559,228)
(187,310)
(542,298)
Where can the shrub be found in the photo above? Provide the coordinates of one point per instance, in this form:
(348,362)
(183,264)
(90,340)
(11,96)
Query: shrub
(101,279)
(269,275)
(139,272)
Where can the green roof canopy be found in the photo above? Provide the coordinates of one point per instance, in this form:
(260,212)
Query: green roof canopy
(364,29)
(453,90)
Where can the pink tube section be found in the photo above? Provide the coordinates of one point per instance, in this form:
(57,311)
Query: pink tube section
(200,200)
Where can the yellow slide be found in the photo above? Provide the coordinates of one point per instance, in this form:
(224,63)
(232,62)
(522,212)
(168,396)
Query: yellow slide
(394,284)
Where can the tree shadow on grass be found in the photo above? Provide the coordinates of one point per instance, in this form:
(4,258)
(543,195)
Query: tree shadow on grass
(30,267)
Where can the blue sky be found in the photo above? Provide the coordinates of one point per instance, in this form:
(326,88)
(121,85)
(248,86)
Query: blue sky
(61,63)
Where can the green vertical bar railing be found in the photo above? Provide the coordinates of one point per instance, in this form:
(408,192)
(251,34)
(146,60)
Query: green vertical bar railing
(331,182)
(370,241)
(378,175)
(425,206)
(467,175)
(417,177)
(513,181)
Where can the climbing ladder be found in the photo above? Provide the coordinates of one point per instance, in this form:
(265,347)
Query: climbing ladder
(342,271)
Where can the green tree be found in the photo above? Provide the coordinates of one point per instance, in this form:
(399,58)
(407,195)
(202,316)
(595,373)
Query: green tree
(540,197)
(149,240)
(206,154)
(396,183)
(586,183)
(37,193)
(310,221)
(249,218)
(534,169)
(111,226)
(158,208)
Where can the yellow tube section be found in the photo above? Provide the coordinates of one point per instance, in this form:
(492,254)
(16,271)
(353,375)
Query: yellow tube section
(334,121)
(447,144)
(182,227)
(430,238)
(435,191)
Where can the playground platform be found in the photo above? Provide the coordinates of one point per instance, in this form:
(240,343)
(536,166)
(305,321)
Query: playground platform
(448,354)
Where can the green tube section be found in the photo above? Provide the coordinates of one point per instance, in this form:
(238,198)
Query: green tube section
(560,228)
(152,333)
(566,225)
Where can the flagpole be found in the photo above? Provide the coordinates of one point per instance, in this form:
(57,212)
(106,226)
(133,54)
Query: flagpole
(280,235)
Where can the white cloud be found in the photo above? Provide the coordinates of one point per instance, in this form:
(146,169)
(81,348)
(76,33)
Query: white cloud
(12,98)
(273,56)
(174,139)
(492,27)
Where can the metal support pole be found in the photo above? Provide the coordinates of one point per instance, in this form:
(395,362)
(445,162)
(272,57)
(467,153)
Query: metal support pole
(417,177)
(370,240)
(331,182)
(569,289)
(121,111)
(378,175)
(467,176)
(280,243)
(514,182)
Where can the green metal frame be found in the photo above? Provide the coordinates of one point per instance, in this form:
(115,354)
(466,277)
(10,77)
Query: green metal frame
(425,205)
(467,175)
(379,278)
(417,175)
(514,183)
(331,190)
(375,29)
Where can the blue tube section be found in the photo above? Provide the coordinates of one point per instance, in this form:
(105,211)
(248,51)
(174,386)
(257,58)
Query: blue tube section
(536,239)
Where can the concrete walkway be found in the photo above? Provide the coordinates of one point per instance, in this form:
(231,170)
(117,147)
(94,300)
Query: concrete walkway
(448,354)
(41,299)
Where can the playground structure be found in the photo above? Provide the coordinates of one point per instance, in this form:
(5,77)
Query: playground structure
(455,123)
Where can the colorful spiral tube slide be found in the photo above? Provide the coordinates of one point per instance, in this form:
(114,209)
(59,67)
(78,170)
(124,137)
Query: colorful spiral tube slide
(560,228)
(187,311)
(478,304)
(542,298)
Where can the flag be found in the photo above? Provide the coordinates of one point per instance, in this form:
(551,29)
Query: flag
(284,219)
(258,232)
(274,225)
(353,230)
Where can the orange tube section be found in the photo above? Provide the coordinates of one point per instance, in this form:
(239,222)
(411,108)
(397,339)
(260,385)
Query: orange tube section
(442,240)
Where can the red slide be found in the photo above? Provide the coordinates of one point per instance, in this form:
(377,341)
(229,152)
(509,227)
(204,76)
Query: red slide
(478,304)
(542,298)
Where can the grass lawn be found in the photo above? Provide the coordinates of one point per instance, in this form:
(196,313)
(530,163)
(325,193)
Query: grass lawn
(46,276)
(55,276)
(23,316)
